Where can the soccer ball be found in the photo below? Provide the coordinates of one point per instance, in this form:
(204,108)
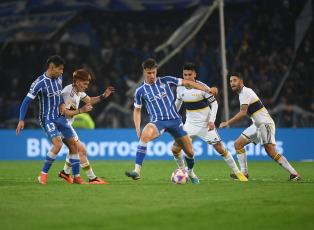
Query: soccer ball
(179,176)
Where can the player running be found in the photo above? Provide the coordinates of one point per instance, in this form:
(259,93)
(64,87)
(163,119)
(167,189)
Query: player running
(47,89)
(201,110)
(262,130)
(158,97)
(72,95)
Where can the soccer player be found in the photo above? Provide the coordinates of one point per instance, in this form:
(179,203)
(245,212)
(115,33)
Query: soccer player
(47,89)
(201,109)
(262,130)
(158,97)
(72,95)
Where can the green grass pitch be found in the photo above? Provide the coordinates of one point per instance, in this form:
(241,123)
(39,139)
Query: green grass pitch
(266,201)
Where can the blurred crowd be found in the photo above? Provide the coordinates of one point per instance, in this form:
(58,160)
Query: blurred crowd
(262,52)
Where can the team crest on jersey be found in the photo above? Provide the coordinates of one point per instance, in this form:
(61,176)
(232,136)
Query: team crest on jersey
(162,85)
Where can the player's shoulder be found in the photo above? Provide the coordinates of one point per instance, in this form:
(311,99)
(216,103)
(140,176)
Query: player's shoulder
(140,88)
(247,91)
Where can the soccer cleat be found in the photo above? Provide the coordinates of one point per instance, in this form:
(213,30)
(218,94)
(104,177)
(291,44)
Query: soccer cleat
(133,174)
(65,176)
(235,177)
(97,181)
(194,180)
(78,180)
(42,178)
(294,177)
(192,176)
(241,177)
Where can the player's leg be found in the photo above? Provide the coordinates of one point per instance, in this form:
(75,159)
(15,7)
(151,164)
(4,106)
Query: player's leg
(178,156)
(267,136)
(220,148)
(74,159)
(239,145)
(50,158)
(86,165)
(186,144)
(149,133)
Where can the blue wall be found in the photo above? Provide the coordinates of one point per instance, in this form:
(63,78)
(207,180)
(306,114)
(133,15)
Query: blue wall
(120,144)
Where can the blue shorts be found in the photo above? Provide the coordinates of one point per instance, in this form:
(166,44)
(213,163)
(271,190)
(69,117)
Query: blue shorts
(53,128)
(174,127)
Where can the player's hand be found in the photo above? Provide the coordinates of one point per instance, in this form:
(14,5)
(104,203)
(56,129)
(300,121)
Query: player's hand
(213,91)
(108,91)
(139,134)
(223,124)
(62,109)
(210,126)
(86,108)
(19,127)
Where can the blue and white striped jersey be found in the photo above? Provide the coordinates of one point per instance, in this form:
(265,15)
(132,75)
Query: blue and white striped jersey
(158,98)
(49,97)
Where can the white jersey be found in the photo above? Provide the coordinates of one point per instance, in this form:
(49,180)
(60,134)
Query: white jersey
(256,110)
(72,100)
(197,104)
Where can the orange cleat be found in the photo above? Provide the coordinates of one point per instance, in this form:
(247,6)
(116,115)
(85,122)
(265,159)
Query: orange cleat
(97,181)
(42,178)
(65,176)
(78,180)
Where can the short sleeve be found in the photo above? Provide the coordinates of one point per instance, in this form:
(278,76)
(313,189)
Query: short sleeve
(34,89)
(138,102)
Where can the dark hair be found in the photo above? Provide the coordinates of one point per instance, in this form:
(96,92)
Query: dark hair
(150,63)
(55,59)
(236,74)
(81,75)
(189,66)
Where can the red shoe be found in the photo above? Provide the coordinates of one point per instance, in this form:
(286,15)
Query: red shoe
(295,177)
(78,180)
(97,181)
(65,176)
(42,178)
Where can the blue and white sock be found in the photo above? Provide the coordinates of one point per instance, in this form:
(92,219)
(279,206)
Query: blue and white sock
(140,155)
(50,158)
(189,162)
(75,164)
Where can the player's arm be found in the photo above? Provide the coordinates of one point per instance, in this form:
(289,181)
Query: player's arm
(195,85)
(137,121)
(101,97)
(239,116)
(86,108)
(212,118)
(23,111)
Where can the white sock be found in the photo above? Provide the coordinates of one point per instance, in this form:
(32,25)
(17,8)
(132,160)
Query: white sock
(230,161)
(282,161)
(138,168)
(88,170)
(241,154)
(67,166)
(180,160)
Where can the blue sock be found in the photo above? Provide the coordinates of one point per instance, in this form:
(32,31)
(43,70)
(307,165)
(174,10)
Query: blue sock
(75,164)
(50,158)
(189,162)
(140,152)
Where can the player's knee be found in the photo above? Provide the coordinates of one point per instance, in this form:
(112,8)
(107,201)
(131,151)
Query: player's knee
(189,153)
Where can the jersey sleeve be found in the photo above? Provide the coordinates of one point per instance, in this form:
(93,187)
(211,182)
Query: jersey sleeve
(36,86)
(245,98)
(138,101)
(172,81)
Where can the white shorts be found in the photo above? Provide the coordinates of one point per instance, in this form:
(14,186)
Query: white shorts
(211,137)
(264,134)
(76,138)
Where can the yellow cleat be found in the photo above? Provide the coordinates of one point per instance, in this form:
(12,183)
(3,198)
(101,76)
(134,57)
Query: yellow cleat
(241,177)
